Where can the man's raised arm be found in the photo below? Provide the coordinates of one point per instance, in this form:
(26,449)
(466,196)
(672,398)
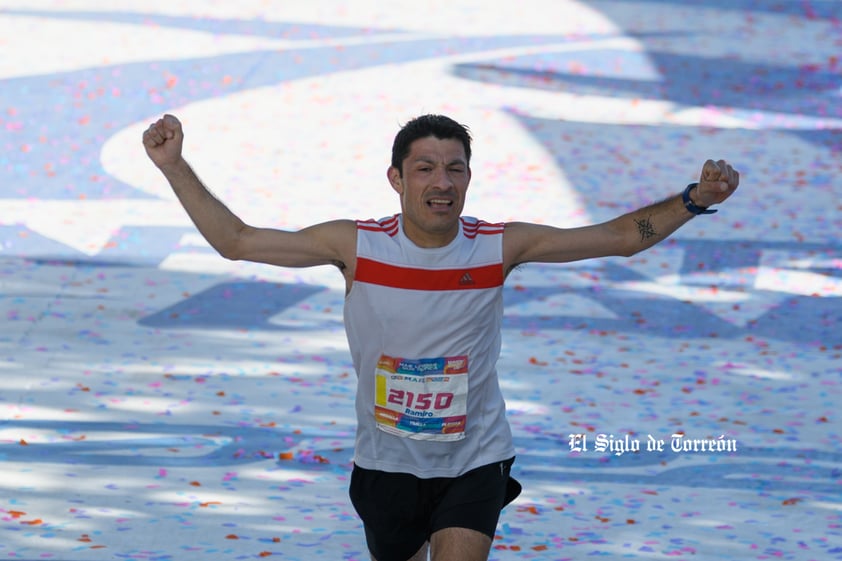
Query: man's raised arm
(322,244)
(625,235)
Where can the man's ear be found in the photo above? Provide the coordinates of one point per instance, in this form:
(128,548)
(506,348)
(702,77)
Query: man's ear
(394,176)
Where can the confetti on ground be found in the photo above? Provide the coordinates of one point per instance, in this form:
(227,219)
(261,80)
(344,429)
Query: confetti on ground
(159,402)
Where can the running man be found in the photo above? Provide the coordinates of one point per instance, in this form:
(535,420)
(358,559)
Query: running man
(423,315)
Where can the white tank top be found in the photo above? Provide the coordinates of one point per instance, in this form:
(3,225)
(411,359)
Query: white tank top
(423,326)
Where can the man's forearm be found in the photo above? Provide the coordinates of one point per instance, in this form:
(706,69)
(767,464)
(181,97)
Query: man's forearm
(650,225)
(219,226)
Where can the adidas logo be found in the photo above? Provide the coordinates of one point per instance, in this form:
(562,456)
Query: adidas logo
(466,280)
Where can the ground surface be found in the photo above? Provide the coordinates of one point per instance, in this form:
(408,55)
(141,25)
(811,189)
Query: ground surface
(148,387)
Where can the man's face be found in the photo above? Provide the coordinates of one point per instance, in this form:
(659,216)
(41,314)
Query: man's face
(432,190)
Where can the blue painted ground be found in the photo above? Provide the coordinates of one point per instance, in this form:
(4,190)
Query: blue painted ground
(159,402)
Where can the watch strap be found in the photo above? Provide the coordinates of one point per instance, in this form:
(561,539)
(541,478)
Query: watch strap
(692,207)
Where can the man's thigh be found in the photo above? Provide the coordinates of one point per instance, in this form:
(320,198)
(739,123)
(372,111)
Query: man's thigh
(394,512)
(459,543)
(473,501)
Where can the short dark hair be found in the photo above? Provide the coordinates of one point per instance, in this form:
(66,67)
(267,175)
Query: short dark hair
(439,126)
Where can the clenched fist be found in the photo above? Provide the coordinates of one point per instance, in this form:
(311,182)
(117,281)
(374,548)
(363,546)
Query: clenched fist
(163,141)
(717,182)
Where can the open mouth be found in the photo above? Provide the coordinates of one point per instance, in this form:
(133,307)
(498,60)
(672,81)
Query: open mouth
(439,203)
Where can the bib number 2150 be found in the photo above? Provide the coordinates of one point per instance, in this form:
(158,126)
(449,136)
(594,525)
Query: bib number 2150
(421,401)
(422,398)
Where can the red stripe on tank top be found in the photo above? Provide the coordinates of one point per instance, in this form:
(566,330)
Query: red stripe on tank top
(409,278)
(388,226)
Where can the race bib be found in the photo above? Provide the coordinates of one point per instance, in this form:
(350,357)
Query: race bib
(424,399)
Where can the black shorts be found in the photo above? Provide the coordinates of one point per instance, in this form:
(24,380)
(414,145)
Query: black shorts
(400,511)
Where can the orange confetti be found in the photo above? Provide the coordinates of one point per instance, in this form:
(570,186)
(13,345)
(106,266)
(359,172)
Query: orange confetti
(265,553)
(535,361)
(792,501)
(35,522)
(208,503)
(195,484)
(232,537)
(539,547)
(286,455)
(23,442)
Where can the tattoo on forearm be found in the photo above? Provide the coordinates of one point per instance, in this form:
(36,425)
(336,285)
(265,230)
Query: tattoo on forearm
(644,226)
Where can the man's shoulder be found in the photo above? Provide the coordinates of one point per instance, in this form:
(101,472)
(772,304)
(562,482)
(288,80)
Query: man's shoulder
(473,227)
(388,225)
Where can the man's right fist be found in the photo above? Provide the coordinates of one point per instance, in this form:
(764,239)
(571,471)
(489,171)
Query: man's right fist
(163,141)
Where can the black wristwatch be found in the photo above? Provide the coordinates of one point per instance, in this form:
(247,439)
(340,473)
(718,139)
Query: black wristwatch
(690,205)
